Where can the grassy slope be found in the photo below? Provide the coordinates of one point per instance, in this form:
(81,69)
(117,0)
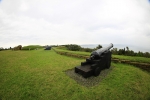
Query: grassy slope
(39,74)
(74,52)
(32,47)
(131,58)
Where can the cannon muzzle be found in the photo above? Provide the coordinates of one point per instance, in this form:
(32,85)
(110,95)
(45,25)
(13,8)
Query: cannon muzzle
(99,52)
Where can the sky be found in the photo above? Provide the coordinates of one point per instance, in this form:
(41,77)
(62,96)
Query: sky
(52,22)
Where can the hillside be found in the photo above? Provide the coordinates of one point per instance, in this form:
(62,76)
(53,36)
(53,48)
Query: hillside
(31,47)
(40,74)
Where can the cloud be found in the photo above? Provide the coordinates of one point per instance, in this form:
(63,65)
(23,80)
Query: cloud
(23,6)
(79,21)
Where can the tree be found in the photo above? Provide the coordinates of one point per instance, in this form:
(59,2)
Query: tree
(1,48)
(146,54)
(114,51)
(127,48)
(19,47)
(99,46)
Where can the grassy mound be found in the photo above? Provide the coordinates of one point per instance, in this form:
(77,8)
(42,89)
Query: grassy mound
(31,47)
(39,74)
(133,58)
(121,57)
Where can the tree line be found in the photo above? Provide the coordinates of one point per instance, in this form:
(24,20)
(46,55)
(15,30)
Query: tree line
(74,47)
(126,51)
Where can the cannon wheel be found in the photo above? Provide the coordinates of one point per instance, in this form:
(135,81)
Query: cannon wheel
(97,71)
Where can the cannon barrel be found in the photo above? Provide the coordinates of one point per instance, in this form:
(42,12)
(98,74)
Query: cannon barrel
(97,53)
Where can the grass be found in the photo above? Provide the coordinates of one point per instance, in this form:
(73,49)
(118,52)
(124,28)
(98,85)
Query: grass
(74,52)
(131,58)
(31,47)
(40,74)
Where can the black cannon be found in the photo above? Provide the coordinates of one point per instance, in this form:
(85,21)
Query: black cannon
(48,48)
(99,60)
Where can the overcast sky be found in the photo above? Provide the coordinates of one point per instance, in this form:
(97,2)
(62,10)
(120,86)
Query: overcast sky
(49,22)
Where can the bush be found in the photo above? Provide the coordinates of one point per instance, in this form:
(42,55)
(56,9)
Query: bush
(73,47)
(88,49)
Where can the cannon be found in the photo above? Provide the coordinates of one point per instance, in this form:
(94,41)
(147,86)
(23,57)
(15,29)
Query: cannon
(99,59)
(48,48)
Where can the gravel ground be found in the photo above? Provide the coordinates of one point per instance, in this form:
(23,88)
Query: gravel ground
(88,82)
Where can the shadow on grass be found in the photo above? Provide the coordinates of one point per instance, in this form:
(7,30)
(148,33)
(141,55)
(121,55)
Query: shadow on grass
(91,81)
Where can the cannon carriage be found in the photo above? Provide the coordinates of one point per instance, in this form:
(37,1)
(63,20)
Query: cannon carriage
(99,59)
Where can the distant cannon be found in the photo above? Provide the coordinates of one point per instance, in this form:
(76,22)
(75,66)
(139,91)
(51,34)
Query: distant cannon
(48,48)
(99,59)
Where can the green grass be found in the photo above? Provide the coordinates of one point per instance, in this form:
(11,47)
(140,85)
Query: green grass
(39,74)
(131,58)
(31,47)
(74,52)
